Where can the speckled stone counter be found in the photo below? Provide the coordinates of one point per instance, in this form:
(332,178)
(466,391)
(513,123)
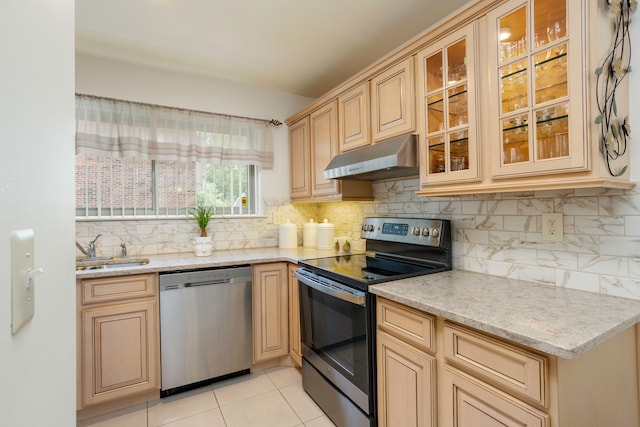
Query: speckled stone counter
(558,321)
(182,261)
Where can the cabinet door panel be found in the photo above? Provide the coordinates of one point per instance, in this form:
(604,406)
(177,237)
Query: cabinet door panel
(324,146)
(449,146)
(119,351)
(537,75)
(406,384)
(354,118)
(270,311)
(300,159)
(469,402)
(295,344)
(392,101)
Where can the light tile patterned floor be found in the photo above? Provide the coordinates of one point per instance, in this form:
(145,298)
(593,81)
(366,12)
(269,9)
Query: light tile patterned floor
(271,398)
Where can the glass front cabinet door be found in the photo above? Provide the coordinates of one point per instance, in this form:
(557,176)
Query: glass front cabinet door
(447,97)
(536,71)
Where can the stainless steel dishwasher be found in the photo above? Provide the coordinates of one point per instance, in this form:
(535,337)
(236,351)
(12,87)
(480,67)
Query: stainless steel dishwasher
(205,326)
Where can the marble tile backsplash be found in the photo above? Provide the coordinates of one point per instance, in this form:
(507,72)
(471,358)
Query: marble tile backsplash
(497,234)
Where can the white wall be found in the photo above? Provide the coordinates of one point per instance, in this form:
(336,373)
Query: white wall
(37,366)
(107,78)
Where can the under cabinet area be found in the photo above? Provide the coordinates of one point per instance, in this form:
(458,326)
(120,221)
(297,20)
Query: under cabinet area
(434,372)
(270,295)
(118,342)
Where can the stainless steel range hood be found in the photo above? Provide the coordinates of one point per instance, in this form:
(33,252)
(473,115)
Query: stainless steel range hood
(392,158)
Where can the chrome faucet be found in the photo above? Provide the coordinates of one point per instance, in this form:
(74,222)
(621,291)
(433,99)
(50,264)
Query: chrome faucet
(92,247)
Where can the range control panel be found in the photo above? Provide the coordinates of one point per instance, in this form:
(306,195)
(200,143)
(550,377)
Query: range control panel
(417,231)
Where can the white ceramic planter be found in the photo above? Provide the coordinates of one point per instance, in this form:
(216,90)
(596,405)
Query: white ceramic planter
(202,246)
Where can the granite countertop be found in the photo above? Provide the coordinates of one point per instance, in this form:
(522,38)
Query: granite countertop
(183,261)
(557,321)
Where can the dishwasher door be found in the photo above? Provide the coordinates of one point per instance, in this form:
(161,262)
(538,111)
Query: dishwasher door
(205,326)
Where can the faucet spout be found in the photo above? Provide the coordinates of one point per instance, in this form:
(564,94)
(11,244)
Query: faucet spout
(92,247)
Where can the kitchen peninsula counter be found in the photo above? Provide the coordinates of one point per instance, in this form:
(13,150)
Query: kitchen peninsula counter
(555,320)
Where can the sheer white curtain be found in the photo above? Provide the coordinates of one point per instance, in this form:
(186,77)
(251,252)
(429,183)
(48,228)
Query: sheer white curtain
(115,128)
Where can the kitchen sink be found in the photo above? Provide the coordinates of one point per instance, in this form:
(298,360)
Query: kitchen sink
(109,262)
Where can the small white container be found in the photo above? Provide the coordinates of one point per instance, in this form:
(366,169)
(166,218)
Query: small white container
(202,246)
(310,234)
(288,236)
(326,235)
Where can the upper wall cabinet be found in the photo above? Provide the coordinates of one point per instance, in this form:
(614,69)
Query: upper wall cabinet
(313,142)
(300,159)
(447,121)
(537,108)
(393,100)
(324,146)
(354,118)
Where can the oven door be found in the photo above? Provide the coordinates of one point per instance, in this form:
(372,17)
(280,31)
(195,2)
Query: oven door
(335,334)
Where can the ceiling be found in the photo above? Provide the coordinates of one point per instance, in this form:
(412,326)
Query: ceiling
(304,47)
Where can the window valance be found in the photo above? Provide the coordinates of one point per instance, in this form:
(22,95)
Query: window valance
(116,128)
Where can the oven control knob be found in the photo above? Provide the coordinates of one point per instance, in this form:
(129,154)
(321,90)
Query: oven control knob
(364,227)
(369,227)
(425,232)
(416,231)
(435,232)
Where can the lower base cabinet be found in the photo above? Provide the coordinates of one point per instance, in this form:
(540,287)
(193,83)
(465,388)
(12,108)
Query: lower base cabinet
(295,344)
(406,377)
(270,295)
(450,375)
(118,339)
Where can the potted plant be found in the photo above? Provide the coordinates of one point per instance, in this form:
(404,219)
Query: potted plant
(202,246)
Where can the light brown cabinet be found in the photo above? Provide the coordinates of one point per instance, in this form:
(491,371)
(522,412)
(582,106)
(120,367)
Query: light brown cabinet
(270,307)
(354,118)
(118,338)
(435,372)
(393,101)
(324,146)
(447,93)
(313,142)
(295,344)
(406,367)
(300,159)
(536,62)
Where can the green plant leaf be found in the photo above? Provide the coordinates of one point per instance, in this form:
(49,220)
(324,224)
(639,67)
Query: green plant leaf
(614,106)
(622,171)
(599,119)
(598,71)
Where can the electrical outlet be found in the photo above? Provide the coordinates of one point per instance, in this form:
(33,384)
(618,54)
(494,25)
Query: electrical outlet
(552,227)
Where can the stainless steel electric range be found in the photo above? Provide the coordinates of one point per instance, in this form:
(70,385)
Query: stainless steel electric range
(338,313)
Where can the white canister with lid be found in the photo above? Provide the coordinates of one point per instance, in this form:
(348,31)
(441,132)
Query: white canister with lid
(310,234)
(288,236)
(326,235)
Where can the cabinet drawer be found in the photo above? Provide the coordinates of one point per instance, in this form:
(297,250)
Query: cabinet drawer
(508,367)
(106,289)
(411,325)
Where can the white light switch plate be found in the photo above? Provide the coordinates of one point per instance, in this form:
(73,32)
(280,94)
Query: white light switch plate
(22,278)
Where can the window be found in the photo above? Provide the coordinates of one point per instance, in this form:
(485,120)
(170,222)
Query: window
(135,160)
(114,187)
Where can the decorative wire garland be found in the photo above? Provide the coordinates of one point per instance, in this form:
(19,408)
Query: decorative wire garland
(614,136)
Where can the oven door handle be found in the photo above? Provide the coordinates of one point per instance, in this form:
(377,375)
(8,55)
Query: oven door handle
(354,297)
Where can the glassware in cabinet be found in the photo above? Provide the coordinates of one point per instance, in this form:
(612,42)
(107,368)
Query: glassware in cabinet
(534,87)
(448,147)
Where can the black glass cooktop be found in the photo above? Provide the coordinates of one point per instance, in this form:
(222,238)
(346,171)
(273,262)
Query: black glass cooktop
(361,270)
